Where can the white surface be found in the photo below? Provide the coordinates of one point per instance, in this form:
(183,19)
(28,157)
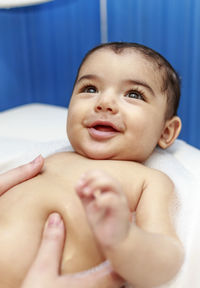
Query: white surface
(29,130)
(34,122)
(19,3)
(33,129)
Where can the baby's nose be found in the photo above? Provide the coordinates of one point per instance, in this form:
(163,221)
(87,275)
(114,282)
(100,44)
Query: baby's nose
(106,104)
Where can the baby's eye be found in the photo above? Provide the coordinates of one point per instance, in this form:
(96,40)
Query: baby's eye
(90,89)
(135,94)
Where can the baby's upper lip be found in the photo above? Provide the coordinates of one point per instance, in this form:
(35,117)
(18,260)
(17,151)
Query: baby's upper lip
(104,123)
(114,124)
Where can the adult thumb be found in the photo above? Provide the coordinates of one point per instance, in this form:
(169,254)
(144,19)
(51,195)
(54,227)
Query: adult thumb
(49,255)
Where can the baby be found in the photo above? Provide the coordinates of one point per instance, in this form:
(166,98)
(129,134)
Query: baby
(123,105)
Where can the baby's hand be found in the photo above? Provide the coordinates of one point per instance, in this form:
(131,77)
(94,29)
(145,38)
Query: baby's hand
(106,207)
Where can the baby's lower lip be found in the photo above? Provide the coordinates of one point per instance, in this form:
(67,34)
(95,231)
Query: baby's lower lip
(102,133)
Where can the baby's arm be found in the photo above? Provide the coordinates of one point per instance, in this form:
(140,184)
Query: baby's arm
(146,254)
(106,207)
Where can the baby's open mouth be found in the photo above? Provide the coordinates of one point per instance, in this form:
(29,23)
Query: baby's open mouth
(104,128)
(102,131)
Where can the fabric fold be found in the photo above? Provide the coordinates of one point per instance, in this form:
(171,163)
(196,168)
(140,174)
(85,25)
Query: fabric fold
(19,3)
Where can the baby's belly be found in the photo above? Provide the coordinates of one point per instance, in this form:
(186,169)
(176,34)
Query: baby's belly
(23,211)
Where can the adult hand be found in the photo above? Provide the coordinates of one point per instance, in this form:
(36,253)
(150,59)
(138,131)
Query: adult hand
(20,174)
(45,270)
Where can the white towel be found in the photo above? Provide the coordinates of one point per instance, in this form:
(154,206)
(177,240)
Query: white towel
(19,3)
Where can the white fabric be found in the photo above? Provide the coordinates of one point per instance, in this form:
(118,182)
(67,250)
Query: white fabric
(19,3)
(29,130)
(34,122)
(33,129)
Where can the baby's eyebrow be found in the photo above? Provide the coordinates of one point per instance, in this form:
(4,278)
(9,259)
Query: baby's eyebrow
(87,77)
(140,83)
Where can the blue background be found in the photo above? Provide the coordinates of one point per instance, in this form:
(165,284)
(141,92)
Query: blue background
(41,48)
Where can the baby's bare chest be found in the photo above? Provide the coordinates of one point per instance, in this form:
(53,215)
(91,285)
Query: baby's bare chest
(24,209)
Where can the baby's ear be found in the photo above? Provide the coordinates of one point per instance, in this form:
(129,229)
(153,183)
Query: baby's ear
(170,132)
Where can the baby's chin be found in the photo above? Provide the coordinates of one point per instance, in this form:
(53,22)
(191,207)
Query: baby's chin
(94,155)
(100,153)
(97,155)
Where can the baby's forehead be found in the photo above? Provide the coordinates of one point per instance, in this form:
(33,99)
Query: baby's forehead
(131,52)
(136,61)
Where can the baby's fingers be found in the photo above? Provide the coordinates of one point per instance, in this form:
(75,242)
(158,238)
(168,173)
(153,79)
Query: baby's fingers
(108,201)
(96,182)
(102,207)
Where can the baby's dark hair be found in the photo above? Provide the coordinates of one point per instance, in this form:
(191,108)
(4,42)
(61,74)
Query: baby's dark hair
(170,78)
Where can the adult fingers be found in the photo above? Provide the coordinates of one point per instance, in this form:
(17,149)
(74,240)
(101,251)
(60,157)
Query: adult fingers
(48,259)
(45,269)
(20,174)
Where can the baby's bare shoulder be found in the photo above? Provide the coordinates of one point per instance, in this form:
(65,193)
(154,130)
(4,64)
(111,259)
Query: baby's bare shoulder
(158,179)
(132,174)
(129,170)
(120,168)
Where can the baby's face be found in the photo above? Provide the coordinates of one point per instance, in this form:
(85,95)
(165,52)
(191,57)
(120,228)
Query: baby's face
(117,109)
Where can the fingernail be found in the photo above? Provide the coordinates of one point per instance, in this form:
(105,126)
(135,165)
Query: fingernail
(80,183)
(54,219)
(86,190)
(37,160)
